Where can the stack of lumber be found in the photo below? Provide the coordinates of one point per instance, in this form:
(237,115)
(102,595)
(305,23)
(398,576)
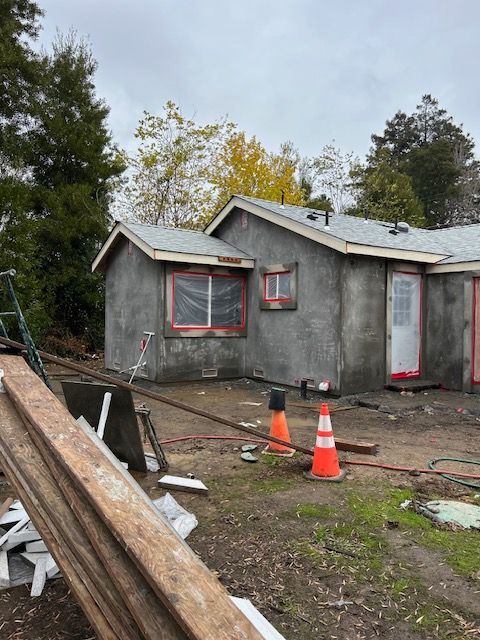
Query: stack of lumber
(132,574)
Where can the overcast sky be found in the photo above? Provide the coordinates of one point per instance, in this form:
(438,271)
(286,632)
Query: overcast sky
(303,70)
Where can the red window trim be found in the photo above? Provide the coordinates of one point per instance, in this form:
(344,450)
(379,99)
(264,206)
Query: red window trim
(413,374)
(476,289)
(274,273)
(239,327)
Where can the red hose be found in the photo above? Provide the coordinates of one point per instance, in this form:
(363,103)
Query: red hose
(364,463)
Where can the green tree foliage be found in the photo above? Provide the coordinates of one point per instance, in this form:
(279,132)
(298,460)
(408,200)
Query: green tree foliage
(55,188)
(386,194)
(432,150)
(168,177)
(182,172)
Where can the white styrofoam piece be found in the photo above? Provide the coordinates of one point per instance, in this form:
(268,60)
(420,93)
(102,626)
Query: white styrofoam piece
(16,504)
(36,547)
(51,567)
(39,578)
(173,482)
(27,535)
(4,572)
(12,516)
(33,558)
(261,624)
(16,527)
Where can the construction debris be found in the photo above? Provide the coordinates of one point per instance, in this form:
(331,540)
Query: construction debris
(178,483)
(248,457)
(181,520)
(118,555)
(342,445)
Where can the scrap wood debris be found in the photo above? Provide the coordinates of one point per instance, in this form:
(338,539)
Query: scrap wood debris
(76,493)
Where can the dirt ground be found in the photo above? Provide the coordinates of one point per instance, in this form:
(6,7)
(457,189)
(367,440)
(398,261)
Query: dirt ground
(334,561)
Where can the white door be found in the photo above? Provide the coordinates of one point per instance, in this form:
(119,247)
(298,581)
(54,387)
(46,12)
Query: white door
(406,324)
(476,331)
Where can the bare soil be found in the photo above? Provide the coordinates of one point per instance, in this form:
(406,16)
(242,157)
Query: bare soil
(310,555)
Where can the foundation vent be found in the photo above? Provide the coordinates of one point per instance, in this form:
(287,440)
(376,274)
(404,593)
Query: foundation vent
(209,373)
(258,373)
(310,383)
(116,365)
(143,371)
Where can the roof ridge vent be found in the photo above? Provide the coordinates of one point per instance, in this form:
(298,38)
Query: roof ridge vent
(403,226)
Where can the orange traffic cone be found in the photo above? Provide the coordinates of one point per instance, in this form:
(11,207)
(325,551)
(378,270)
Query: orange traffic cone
(279,426)
(325,460)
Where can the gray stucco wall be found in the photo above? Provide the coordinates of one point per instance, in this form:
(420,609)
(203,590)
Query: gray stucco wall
(135,302)
(363,326)
(291,344)
(444,327)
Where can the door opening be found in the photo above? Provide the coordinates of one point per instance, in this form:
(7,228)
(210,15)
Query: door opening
(406,324)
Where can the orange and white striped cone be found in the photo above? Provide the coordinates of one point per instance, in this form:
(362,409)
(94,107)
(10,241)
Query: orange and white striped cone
(325,460)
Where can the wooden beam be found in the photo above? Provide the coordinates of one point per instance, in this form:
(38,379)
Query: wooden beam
(97,619)
(59,528)
(193,595)
(345,445)
(150,614)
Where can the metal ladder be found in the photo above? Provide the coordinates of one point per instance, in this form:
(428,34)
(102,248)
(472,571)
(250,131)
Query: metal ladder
(32,353)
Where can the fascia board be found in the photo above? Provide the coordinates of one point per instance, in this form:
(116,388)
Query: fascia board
(394,254)
(279,220)
(195,258)
(453,267)
(105,250)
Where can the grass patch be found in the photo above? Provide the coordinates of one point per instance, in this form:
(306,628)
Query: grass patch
(317,511)
(273,485)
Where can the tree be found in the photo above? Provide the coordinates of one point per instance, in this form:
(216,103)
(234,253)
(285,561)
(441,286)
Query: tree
(168,179)
(432,150)
(387,194)
(73,165)
(55,188)
(328,175)
(19,72)
(243,166)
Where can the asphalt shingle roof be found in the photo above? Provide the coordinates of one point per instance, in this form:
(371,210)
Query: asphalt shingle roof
(459,244)
(184,241)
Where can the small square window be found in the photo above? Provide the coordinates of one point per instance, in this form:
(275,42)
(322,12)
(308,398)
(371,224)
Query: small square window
(277,287)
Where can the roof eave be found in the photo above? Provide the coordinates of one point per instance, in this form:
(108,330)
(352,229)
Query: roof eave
(99,263)
(322,238)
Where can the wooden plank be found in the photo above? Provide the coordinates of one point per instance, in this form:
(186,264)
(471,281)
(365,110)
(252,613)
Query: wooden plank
(367,450)
(151,615)
(6,506)
(98,621)
(4,572)
(39,578)
(34,482)
(193,595)
(191,485)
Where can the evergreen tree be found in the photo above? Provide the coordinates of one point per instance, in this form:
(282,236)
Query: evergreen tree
(73,164)
(434,152)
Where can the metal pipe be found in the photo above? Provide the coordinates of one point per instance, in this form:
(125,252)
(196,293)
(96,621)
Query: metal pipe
(358,447)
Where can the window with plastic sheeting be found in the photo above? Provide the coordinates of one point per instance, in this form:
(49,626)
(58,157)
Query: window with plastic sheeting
(207,301)
(406,324)
(276,287)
